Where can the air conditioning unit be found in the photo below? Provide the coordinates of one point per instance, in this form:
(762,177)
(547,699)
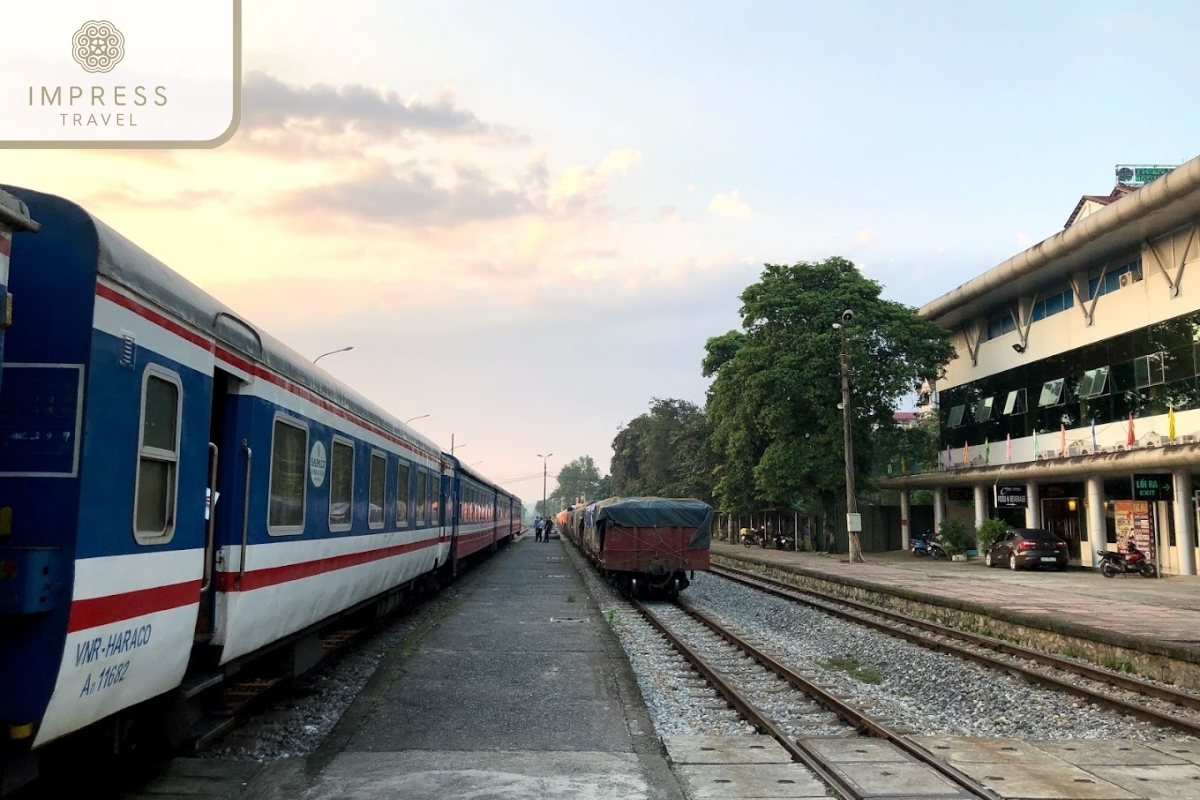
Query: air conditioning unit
(1128,278)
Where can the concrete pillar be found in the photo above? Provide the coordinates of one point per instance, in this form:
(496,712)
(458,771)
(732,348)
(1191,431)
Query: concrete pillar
(939,507)
(1096,518)
(981,505)
(1033,511)
(905,519)
(1185,521)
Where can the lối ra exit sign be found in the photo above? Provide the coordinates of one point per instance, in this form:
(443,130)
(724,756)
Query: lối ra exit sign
(1152,487)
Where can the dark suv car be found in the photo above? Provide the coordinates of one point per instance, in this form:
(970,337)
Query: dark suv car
(1028,547)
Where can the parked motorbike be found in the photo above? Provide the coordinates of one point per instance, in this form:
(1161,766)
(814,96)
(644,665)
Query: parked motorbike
(1114,562)
(920,546)
(784,541)
(937,549)
(752,537)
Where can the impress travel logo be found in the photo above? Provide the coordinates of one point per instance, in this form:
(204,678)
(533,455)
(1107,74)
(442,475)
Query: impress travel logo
(138,74)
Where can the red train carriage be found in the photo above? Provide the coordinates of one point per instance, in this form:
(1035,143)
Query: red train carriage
(645,545)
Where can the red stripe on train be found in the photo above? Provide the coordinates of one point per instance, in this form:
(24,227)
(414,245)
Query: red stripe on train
(96,611)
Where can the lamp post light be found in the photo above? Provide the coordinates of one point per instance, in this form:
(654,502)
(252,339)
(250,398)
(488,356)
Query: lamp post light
(411,419)
(331,352)
(545,511)
(853,520)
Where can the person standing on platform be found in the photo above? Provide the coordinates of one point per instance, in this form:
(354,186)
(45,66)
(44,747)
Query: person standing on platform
(537,529)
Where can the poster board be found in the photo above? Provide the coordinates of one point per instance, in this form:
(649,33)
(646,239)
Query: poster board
(1134,520)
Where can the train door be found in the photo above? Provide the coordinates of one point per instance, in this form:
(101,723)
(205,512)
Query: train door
(218,494)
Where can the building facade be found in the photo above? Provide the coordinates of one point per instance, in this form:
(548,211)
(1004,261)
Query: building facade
(1076,390)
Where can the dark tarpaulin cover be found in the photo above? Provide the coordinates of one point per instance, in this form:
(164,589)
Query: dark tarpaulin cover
(658,512)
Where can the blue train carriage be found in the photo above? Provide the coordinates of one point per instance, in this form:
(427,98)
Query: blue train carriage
(132,400)
(14,218)
(483,514)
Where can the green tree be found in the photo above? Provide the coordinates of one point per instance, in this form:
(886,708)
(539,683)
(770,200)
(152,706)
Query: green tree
(666,452)
(774,401)
(577,479)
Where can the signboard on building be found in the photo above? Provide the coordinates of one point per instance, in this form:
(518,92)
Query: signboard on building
(1134,521)
(1011,497)
(1152,487)
(959,493)
(1141,174)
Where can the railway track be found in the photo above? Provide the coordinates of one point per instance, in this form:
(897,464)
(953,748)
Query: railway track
(999,655)
(747,678)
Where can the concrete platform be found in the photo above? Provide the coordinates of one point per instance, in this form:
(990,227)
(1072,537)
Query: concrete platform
(1160,615)
(521,691)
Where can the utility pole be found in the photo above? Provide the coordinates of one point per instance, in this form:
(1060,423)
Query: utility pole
(545,510)
(853,519)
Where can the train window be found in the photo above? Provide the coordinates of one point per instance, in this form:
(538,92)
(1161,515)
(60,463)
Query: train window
(420,497)
(378,485)
(289,452)
(402,491)
(155,491)
(341,485)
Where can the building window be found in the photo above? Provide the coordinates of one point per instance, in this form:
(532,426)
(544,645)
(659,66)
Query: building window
(155,493)
(1112,279)
(956,416)
(289,447)
(1000,325)
(1094,383)
(1015,403)
(1054,304)
(1051,393)
(434,482)
(983,410)
(1148,370)
(376,490)
(421,497)
(402,492)
(341,485)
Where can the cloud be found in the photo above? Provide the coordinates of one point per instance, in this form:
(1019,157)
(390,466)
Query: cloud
(409,194)
(581,189)
(730,205)
(691,187)
(864,237)
(125,195)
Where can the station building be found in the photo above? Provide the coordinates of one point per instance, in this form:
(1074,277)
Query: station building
(1074,401)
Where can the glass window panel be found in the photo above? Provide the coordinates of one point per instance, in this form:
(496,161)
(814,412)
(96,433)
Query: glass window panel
(341,483)
(956,415)
(288,465)
(983,411)
(1051,391)
(1015,402)
(377,487)
(1068,299)
(421,497)
(155,491)
(402,490)
(161,410)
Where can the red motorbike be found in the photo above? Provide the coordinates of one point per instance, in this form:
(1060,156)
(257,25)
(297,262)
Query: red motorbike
(1114,562)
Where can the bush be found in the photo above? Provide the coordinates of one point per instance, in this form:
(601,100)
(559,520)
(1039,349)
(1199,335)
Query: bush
(953,533)
(990,531)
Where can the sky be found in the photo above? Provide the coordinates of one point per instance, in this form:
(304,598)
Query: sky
(527,218)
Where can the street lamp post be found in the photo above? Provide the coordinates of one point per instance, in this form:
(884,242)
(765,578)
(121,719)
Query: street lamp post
(853,520)
(331,352)
(545,511)
(412,419)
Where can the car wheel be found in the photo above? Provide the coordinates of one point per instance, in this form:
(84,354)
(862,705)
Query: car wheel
(1012,562)
(987,559)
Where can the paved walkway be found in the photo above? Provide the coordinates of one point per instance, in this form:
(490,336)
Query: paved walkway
(1163,610)
(521,691)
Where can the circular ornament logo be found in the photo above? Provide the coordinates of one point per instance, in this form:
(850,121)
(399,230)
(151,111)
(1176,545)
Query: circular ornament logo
(98,46)
(317,463)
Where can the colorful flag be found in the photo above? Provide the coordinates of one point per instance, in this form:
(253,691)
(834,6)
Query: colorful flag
(1008,449)
(966,455)
(987,452)
(1095,447)
(1131,439)
(1035,444)
(1062,439)
(949,460)
(1171,423)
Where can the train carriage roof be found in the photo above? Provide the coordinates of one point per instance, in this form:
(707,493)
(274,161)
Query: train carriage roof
(131,267)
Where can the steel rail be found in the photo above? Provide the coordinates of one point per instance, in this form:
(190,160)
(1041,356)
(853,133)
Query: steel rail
(824,603)
(796,747)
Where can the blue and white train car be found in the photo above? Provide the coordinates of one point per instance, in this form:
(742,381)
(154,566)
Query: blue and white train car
(130,399)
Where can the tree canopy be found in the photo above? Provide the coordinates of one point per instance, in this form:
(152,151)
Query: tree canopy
(773,405)
(666,452)
(576,479)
